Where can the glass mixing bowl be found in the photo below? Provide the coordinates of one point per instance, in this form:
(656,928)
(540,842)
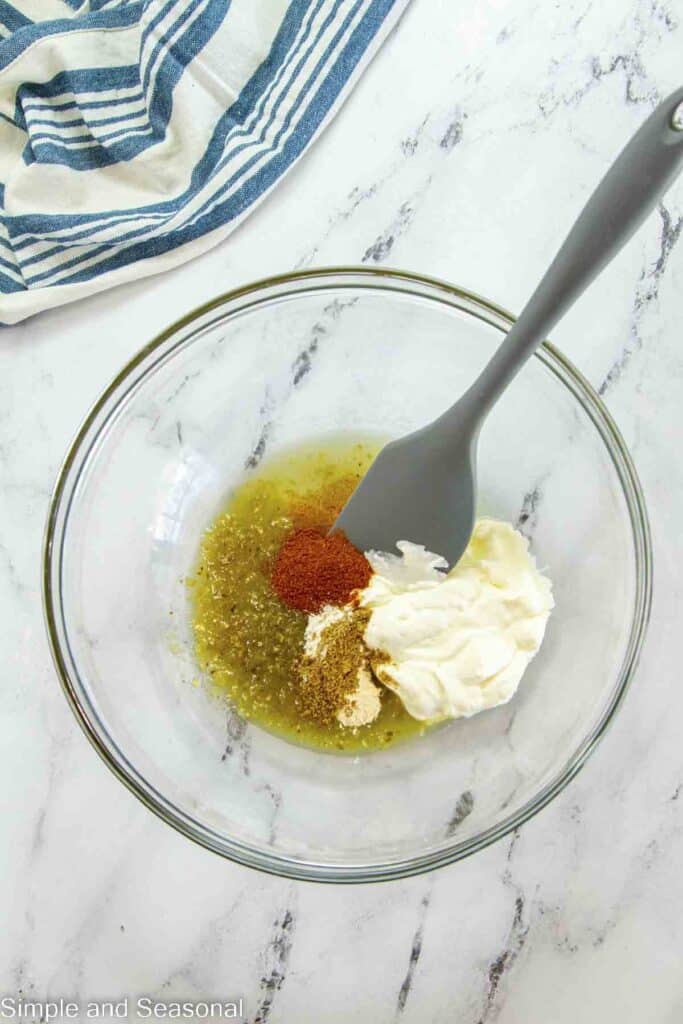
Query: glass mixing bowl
(288,360)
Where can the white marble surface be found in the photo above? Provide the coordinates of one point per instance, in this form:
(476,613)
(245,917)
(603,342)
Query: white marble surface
(464,153)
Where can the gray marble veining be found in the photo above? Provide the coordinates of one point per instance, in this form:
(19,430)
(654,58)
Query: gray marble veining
(476,136)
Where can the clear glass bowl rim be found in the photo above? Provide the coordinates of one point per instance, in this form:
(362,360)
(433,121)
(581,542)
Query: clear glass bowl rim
(82,447)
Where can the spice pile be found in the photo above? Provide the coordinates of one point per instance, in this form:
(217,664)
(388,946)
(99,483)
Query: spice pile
(321,575)
(335,678)
(313,570)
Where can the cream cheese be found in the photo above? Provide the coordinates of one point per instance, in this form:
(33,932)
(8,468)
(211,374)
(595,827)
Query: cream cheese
(459,642)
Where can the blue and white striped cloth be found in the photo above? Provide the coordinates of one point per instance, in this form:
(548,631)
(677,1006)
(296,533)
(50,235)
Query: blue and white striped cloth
(135,134)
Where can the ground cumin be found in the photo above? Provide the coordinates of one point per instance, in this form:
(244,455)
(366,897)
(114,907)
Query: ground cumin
(331,676)
(314,569)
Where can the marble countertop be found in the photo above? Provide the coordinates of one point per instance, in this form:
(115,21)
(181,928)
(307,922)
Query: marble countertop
(478,132)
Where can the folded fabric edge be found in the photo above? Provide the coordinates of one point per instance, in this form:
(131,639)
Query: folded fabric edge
(18,306)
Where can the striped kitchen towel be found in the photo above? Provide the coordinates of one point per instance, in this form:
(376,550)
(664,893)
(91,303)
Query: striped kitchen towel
(135,134)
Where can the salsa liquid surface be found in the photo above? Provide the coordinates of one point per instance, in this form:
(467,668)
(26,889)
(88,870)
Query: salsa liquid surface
(247,642)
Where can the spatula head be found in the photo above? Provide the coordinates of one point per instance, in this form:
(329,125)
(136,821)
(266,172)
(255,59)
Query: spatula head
(420,489)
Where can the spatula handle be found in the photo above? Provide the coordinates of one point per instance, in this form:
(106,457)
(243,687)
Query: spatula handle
(636,180)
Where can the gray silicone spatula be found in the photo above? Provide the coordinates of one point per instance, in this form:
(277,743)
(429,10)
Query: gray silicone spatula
(422,487)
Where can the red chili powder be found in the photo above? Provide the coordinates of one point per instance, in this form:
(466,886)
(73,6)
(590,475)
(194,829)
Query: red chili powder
(313,569)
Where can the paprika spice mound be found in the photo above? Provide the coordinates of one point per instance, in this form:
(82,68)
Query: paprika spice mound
(313,569)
